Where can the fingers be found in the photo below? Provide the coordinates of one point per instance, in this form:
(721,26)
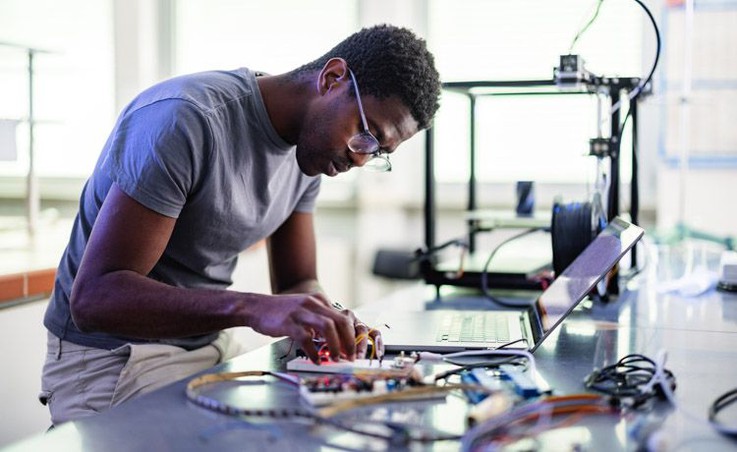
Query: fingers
(308,346)
(331,321)
(366,335)
(334,326)
(378,342)
(347,333)
(362,332)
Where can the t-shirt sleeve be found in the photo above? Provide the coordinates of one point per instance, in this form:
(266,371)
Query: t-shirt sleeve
(157,154)
(306,203)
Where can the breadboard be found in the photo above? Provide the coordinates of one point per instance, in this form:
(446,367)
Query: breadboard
(340,367)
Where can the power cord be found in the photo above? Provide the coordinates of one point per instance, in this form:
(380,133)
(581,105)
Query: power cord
(718,405)
(485,273)
(488,359)
(631,379)
(638,89)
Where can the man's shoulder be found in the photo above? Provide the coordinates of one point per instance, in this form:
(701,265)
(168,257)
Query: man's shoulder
(204,91)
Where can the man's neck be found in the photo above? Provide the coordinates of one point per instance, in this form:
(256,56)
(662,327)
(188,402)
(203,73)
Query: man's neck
(286,100)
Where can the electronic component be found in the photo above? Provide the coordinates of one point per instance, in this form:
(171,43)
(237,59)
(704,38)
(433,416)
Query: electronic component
(329,389)
(362,378)
(474,397)
(571,72)
(603,147)
(479,376)
(525,384)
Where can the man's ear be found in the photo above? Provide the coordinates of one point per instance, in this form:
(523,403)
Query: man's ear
(332,74)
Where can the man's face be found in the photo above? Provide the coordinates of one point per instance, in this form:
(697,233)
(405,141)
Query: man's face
(322,146)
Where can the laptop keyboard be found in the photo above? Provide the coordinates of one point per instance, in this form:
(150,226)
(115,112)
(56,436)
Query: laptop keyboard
(463,327)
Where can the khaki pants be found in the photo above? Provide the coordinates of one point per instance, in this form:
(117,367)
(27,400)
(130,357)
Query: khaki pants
(79,381)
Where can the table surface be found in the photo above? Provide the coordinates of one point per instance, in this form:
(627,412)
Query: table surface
(699,335)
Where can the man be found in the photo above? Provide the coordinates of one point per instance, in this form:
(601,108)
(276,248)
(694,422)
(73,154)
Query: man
(196,170)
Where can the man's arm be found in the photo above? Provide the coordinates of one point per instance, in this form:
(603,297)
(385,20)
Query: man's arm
(293,256)
(112,293)
(293,265)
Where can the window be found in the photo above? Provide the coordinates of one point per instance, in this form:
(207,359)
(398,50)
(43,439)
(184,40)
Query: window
(273,37)
(74,83)
(542,138)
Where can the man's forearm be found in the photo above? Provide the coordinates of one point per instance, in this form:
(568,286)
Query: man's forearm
(127,303)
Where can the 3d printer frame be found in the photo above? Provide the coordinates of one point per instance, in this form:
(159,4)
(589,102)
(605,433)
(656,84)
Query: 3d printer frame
(616,88)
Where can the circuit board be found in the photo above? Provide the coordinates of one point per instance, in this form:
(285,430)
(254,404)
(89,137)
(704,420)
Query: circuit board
(349,380)
(332,388)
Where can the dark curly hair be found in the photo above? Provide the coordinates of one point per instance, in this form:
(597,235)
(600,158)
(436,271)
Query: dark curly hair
(389,61)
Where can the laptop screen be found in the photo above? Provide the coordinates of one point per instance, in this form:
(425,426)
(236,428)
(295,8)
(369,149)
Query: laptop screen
(582,275)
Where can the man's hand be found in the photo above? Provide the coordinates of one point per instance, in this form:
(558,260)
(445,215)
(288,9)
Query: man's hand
(303,317)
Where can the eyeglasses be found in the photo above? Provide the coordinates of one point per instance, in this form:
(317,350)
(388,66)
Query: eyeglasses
(365,142)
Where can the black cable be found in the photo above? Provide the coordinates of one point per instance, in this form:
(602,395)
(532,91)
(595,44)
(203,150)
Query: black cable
(426,254)
(657,50)
(493,363)
(485,273)
(718,405)
(489,363)
(628,378)
(638,90)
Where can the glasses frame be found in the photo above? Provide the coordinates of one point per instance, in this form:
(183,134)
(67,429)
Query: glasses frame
(378,161)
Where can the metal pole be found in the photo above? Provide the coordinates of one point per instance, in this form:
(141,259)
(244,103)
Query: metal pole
(429,191)
(613,202)
(634,185)
(32,198)
(472,175)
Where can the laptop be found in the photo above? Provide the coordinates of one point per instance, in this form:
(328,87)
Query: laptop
(449,330)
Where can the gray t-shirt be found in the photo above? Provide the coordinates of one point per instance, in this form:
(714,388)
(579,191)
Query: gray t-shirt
(201,149)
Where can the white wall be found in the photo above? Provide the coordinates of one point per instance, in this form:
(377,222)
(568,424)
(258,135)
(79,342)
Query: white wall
(22,354)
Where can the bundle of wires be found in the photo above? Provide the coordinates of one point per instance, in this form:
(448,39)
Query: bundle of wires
(630,379)
(514,424)
(653,378)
